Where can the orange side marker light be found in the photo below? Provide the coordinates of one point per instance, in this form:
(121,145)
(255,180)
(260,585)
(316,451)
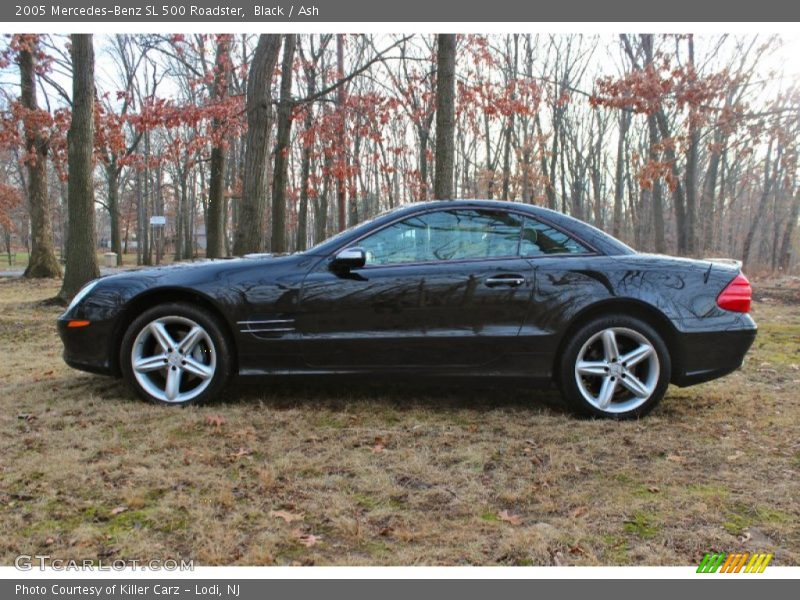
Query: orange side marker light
(73,324)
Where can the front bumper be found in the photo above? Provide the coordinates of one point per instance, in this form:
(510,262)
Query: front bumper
(89,348)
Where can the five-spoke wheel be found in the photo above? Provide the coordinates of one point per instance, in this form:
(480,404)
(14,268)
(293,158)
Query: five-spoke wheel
(175,354)
(615,366)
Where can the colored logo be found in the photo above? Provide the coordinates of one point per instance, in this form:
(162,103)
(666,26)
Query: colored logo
(744,562)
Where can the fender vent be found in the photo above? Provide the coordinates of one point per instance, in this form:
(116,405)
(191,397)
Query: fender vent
(267,327)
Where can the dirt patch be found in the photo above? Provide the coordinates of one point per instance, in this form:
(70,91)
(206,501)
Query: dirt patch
(782,290)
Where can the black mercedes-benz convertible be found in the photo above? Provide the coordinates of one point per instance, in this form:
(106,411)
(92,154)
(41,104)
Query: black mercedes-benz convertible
(443,289)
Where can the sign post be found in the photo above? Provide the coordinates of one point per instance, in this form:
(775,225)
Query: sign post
(158,223)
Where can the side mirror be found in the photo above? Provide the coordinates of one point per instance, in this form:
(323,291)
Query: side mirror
(349,258)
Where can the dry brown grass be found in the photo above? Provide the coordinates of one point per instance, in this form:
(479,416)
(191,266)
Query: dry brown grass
(392,476)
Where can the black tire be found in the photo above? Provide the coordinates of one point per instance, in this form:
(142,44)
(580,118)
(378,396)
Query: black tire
(599,374)
(201,372)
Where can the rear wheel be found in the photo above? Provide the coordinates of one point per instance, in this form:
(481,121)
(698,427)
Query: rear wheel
(175,354)
(615,366)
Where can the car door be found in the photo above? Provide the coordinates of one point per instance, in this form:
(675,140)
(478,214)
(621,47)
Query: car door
(439,288)
(565,278)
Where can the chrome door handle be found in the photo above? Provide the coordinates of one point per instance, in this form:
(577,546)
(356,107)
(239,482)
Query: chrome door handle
(505,280)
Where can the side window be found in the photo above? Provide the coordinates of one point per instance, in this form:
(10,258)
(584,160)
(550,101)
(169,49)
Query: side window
(445,235)
(539,239)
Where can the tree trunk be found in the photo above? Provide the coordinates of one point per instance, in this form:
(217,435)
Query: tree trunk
(341,187)
(509,130)
(769,180)
(321,205)
(112,180)
(158,232)
(279,175)
(250,227)
(305,168)
(424,135)
(144,205)
(660,119)
(658,204)
(619,183)
(445,115)
(719,232)
(682,223)
(596,176)
(707,228)
(786,243)
(549,172)
(190,200)
(42,261)
(81,257)
(215,233)
(180,219)
(140,227)
(691,169)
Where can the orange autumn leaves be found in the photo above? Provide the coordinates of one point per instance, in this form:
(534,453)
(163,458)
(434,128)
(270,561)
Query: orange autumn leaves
(303,538)
(10,199)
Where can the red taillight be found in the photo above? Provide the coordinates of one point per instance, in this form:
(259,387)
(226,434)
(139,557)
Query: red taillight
(737,295)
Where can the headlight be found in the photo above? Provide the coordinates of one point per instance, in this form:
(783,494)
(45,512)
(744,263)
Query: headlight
(82,294)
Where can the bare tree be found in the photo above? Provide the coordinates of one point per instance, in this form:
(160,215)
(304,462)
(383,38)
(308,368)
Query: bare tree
(42,261)
(215,233)
(279,173)
(249,228)
(341,109)
(81,258)
(445,115)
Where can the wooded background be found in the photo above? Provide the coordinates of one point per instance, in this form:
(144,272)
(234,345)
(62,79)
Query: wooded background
(674,143)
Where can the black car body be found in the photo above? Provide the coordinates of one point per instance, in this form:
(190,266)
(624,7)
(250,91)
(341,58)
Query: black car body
(503,313)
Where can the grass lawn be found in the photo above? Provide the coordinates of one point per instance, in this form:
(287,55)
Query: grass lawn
(307,474)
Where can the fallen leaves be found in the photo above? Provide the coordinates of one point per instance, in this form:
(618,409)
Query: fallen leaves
(305,539)
(579,512)
(507,517)
(241,453)
(298,535)
(380,445)
(217,421)
(286,515)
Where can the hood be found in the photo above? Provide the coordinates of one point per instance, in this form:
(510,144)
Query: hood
(210,264)
(189,273)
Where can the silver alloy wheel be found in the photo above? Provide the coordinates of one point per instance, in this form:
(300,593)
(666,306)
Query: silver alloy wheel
(173,359)
(617,370)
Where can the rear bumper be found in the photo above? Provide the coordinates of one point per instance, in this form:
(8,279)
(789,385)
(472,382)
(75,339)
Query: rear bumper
(707,355)
(89,348)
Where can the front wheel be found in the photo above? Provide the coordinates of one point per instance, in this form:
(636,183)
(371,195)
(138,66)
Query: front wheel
(175,354)
(615,366)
